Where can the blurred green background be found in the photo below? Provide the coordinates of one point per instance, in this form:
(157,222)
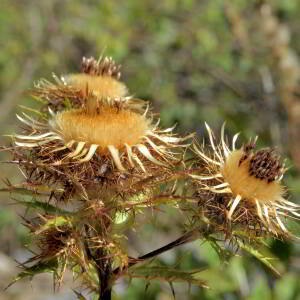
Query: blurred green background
(196,60)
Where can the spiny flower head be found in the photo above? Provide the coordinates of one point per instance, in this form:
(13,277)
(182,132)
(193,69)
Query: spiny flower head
(100,77)
(243,187)
(56,241)
(61,243)
(125,137)
(98,83)
(55,237)
(92,141)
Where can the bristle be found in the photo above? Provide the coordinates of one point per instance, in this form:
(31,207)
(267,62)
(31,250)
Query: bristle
(109,127)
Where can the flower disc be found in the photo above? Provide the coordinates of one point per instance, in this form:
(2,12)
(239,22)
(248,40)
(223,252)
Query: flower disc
(109,127)
(244,182)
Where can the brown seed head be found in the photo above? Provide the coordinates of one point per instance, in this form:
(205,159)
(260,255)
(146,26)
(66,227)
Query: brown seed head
(105,66)
(252,176)
(265,165)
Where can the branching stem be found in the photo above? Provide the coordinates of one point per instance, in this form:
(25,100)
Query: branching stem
(185,238)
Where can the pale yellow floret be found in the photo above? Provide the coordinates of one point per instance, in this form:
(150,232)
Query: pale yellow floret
(110,127)
(248,187)
(111,131)
(101,86)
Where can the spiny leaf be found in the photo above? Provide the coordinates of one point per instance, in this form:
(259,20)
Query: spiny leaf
(46,207)
(26,188)
(224,254)
(49,266)
(18,190)
(167,274)
(265,260)
(219,280)
(54,222)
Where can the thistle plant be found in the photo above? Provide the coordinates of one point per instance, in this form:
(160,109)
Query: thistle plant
(94,158)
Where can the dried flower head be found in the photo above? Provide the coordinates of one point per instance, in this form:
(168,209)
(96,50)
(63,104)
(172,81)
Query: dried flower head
(59,245)
(243,186)
(56,241)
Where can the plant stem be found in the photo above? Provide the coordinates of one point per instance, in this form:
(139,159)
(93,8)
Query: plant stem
(185,238)
(103,265)
(104,274)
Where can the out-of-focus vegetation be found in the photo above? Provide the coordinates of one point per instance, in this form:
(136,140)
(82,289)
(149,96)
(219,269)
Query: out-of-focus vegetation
(195,60)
